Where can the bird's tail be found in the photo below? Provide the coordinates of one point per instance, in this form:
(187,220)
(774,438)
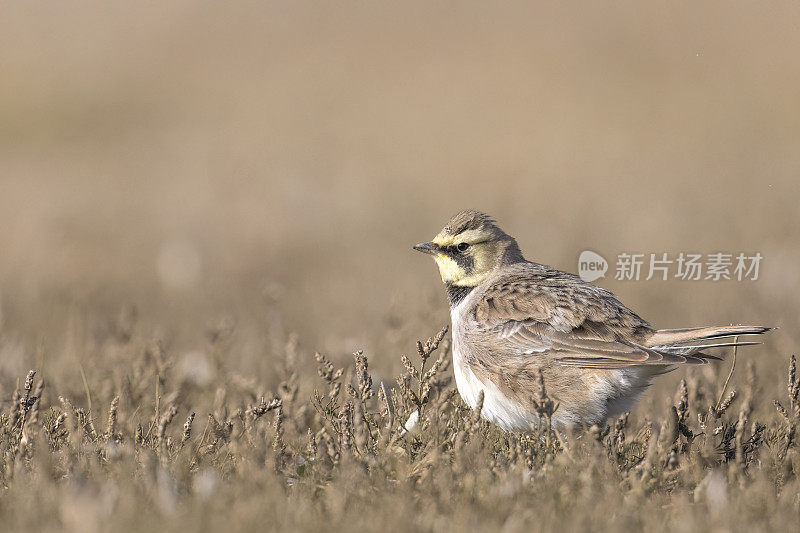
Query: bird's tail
(691,341)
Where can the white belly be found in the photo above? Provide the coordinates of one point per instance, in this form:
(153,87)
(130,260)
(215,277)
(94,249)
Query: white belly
(612,397)
(497,408)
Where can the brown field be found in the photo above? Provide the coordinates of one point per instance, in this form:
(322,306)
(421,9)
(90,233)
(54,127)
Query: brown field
(196,197)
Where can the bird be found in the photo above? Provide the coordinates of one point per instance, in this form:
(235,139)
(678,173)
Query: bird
(517,324)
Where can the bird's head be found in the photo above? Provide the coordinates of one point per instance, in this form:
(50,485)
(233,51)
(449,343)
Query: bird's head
(469,248)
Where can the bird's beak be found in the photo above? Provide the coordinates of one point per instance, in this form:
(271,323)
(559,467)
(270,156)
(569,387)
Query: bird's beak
(427,248)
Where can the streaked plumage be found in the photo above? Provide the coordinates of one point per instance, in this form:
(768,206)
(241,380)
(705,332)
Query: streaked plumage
(512,319)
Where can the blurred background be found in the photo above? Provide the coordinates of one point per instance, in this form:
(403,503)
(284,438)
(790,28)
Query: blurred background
(262,169)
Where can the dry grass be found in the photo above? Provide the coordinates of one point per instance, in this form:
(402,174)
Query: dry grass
(196,199)
(348,458)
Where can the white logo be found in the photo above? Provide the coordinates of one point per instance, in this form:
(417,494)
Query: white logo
(591,266)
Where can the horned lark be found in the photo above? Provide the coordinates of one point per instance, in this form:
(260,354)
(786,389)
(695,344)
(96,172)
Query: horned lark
(512,319)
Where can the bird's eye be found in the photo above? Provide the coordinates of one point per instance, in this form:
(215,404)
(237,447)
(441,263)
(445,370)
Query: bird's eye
(462,247)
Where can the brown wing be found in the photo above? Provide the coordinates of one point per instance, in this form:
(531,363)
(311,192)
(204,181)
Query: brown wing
(567,320)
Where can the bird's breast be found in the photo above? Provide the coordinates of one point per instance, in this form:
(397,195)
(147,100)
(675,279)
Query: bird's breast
(497,407)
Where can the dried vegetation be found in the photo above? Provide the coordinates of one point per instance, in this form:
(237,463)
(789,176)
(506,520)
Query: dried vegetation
(353,452)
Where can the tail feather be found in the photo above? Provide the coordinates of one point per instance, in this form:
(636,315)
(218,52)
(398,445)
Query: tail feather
(690,341)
